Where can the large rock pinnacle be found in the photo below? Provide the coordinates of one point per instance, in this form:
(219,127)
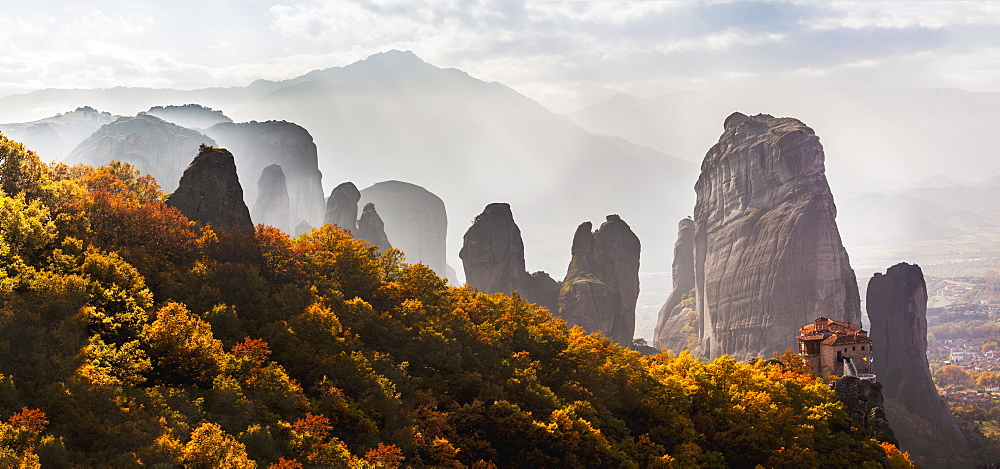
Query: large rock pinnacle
(493,253)
(493,256)
(767,253)
(372,229)
(601,286)
(342,206)
(897,307)
(272,199)
(209,191)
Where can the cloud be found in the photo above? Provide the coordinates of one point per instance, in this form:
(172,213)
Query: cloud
(570,50)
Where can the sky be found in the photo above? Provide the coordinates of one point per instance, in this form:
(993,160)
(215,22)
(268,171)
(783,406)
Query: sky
(567,55)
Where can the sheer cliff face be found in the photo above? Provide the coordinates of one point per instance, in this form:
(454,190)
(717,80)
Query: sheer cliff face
(897,307)
(415,221)
(156,147)
(673,318)
(272,199)
(342,206)
(371,228)
(767,254)
(257,145)
(209,192)
(493,253)
(601,286)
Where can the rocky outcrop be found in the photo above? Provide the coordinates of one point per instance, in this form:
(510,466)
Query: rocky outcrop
(192,116)
(372,229)
(342,206)
(415,219)
(54,137)
(897,307)
(209,191)
(259,144)
(303,227)
(493,252)
(493,257)
(154,146)
(540,288)
(674,325)
(272,199)
(767,254)
(601,286)
(863,401)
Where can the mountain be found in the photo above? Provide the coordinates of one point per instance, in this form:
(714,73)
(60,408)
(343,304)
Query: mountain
(54,137)
(156,147)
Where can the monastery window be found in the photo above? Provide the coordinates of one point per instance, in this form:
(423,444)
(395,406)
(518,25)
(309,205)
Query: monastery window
(862,347)
(853,348)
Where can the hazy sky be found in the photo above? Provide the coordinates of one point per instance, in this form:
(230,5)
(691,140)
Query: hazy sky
(565,54)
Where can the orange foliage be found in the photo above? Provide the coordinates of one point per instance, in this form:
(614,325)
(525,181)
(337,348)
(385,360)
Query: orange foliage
(385,455)
(33,420)
(254,349)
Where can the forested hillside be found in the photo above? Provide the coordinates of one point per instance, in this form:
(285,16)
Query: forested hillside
(132,336)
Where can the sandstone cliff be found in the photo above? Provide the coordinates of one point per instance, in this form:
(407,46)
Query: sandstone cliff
(415,219)
(372,229)
(493,257)
(767,254)
(156,147)
(272,199)
(674,325)
(342,206)
(209,191)
(259,144)
(601,286)
(897,307)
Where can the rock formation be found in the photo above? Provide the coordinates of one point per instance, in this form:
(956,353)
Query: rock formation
(767,254)
(493,257)
(303,227)
(415,219)
(674,325)
(154,146)
(863,401)
(209,191)
(897,307)
(493,253)
(272,199)
(54,137)
(192,116)
(372,229)
(259,144)
(342,206)
(542,289)
(601,286)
